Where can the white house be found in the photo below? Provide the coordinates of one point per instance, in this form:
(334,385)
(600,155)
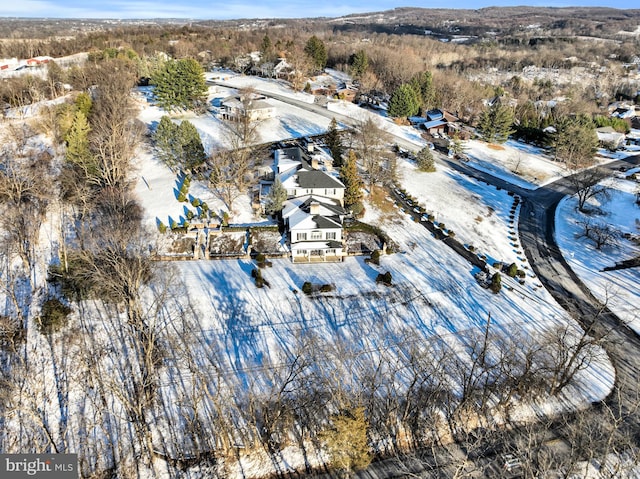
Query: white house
(314,212)
(235,107)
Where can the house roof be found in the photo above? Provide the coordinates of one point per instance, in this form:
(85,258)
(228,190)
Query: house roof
(435,115)
(327,206)
(317,179)
(433,124)
(299,220)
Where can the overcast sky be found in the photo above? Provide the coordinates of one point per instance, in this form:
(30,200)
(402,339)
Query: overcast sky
(231,9)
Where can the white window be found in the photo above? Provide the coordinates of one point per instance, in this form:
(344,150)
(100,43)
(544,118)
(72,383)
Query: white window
(301,252)
(301,237)
(331,235)
(316,252)
(331,251)
(316,235)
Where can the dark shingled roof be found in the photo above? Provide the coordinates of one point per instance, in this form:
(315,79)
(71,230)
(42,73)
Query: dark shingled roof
(325,222)
(317,179)
(333,206)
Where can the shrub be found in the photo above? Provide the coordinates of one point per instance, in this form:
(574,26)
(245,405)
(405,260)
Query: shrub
(384,278)
(225,219)
(196,202)
(204,206)
(173,225)
(182,197)
(451,233)
(190,214)
(375,256)
(520,273)
(442,226)
(496,283)
(326,288)
(162,227)
(497,265)
(512,270)
(307,287)
(53,316)
(260,258)
(357,210)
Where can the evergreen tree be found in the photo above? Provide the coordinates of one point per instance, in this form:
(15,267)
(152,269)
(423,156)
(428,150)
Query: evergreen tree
(352,182)
(496,283)
(84,103)
(179,146)
(276,198)
(422,84)
(333,139)
(317,52)
(180,84)
(193,154)
(575,141)
(403,102)
(456,146)
(359,63)
(495,123)
(77,141)
(267,53)
(167,147)
(425,161)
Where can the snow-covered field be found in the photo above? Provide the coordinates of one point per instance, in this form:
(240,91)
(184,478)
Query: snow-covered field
(435,293)
(518,163)
(478,213)
(619,289)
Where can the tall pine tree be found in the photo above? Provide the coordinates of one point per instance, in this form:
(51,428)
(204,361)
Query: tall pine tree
(193,154)
(317,52)
(495,123)
(353,184)
(403,102)
(77,140)
(180,84)
(425,161)
(276,198)
(333,139)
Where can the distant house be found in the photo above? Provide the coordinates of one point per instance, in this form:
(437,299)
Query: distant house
(313,213)
(440,121)
(346,91)
(35,61)
(235,107)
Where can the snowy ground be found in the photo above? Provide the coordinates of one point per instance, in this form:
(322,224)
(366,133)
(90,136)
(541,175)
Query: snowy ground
(618,288)
(478,213)
(434,296)
(442,295)
(518,163)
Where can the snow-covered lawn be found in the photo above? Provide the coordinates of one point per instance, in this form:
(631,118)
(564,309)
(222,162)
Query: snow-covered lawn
(618,288)
(518,163)
(434,297)
(478,213)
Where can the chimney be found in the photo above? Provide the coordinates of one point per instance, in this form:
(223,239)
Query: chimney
(314,208)
(314,163)
(310,147)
